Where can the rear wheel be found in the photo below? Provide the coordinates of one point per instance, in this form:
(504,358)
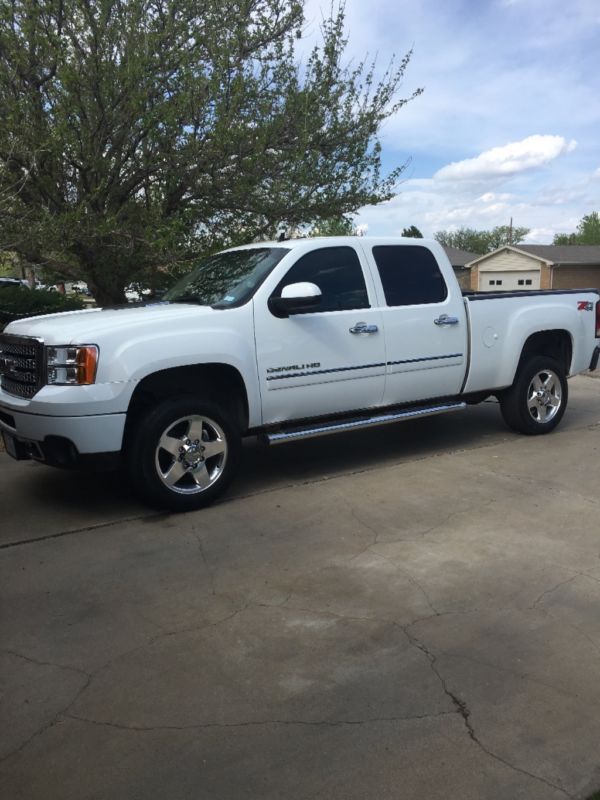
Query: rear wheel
(183,453)
(537,400)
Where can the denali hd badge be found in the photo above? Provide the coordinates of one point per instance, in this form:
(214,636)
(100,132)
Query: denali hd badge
(294,367)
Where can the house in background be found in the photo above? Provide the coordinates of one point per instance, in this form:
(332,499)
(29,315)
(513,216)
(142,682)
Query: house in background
(459,260)
(536,266)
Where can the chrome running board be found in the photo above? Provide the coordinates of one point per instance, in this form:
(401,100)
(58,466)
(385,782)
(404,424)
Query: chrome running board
(339,426)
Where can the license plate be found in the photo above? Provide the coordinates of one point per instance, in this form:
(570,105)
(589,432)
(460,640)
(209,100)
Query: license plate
(10,444)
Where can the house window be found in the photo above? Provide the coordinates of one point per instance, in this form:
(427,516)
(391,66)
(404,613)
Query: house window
(521,283)
(528,282)
(498,283)
(492,283)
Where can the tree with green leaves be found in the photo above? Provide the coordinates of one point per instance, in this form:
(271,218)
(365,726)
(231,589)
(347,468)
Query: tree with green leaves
(137,134)
(412,233)
(502,235)
(474,241)
(588,231)
(334,226)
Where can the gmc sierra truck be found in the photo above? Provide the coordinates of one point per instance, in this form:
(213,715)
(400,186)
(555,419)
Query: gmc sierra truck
(287,340)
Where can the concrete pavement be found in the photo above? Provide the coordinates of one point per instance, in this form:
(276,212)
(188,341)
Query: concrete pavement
(411,612)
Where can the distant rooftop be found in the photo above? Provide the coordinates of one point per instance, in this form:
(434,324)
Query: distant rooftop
(458,258)
(564,253)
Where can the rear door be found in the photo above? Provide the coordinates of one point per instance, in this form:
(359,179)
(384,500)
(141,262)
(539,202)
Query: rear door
(327,359)
(425,324)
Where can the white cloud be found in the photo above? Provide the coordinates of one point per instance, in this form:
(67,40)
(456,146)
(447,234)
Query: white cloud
(495,197)
(485,86)
(537,235)
(510,159)
(545,206)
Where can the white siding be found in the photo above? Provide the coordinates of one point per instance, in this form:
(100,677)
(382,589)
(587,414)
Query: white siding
(507,261)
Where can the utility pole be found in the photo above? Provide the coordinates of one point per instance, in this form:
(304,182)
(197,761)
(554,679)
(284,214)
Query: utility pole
(510,232)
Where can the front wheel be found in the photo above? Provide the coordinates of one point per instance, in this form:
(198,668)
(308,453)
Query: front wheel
(182,454)
(537,400)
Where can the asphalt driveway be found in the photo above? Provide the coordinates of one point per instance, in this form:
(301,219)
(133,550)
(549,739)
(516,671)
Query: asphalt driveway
(411,612)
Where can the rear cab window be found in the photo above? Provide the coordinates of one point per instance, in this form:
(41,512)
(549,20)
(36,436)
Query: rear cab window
(410,275)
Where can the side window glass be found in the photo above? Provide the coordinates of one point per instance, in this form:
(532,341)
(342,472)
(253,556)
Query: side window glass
(410,275)
(337,273)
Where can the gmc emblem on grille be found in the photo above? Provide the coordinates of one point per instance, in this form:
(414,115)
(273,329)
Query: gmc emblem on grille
(7,365)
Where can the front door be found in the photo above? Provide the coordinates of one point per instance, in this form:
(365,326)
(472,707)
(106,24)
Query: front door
(330,358)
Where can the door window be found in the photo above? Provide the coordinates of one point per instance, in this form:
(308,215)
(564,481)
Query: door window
(410,275)
(337,273)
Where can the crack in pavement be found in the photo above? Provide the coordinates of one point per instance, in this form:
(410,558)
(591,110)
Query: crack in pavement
(552,589)
(523,675)
(258,723)
(55,719)
(370,547)
(91,676)
(410,577)
(464,711)
(547,487)
(547,612)
(96,526)
(573,627)
(477,506)
(209,572)
(39,663)
(460,706)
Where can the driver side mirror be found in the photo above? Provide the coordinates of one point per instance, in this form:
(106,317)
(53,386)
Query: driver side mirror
(295,298)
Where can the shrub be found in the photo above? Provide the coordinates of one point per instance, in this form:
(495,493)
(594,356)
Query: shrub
(19,303)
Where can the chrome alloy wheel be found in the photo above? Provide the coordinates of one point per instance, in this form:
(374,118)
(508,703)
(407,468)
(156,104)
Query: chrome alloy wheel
(191,455)
(544,396)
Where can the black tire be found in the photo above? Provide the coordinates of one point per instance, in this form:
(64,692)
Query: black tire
(537,400)
(182,476)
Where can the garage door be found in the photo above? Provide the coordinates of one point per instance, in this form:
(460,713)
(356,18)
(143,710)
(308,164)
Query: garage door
(508,281)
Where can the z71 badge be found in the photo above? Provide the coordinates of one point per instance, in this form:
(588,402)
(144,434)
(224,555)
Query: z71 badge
(584,305)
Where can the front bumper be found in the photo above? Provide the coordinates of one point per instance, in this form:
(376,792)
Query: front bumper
(62,441)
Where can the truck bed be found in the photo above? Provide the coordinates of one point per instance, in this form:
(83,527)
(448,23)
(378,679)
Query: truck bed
(476,295)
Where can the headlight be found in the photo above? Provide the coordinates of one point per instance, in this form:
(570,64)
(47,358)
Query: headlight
(72,365)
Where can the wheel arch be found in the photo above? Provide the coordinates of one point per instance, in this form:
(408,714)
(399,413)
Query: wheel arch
(555,343)
(221,383)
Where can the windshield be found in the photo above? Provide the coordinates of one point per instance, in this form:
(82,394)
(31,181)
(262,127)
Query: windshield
(226,280)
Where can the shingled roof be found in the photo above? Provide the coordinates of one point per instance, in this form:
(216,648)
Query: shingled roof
(564,253)
(458,258)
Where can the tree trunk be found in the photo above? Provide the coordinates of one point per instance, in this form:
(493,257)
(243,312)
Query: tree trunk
(105,293)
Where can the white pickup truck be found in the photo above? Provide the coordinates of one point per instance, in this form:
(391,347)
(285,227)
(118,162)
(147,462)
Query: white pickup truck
(287,340)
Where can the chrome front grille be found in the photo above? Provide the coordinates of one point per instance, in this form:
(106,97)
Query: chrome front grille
(21,365)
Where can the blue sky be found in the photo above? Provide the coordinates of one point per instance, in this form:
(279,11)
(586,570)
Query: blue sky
(509,121)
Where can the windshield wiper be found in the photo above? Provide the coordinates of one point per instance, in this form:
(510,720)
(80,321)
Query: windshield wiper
(189,298)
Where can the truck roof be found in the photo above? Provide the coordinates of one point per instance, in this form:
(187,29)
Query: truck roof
(291,244)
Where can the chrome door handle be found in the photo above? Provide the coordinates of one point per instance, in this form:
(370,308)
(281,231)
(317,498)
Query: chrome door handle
(444,319)
(362,327)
